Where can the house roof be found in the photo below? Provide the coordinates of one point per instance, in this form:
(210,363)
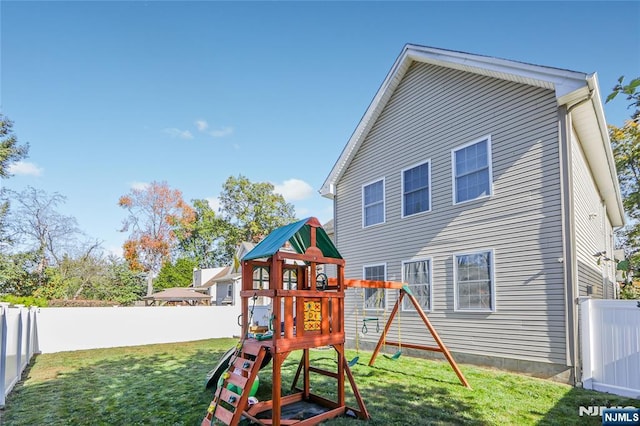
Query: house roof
(298,234)
(177,294)
(577,91)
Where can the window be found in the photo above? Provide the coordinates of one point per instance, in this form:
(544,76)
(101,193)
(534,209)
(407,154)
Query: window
(373,203)
(230,291)
(289,279)
(261,282)
(472,171)
(415,189)
(417,275)
(375,298)
(473,276)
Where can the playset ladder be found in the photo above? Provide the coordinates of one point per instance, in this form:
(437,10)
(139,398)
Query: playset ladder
(228,406)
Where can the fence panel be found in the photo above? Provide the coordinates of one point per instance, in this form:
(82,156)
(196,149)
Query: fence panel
(24,332)
(70,329)
(17,337)
(611,346)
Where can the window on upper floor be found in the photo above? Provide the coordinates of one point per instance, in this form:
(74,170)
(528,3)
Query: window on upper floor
(474,281)
(373,203)
(375,298)
(472,171)
(416,189)
(417,275)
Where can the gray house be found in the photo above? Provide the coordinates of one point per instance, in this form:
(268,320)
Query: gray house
(490,187)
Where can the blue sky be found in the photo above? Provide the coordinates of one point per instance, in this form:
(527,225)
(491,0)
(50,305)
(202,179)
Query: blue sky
(112,95)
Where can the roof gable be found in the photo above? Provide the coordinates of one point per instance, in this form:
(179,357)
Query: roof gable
(572,89)
(298,235)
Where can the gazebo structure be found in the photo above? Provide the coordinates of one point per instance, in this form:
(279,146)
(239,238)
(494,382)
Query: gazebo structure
(177,296)
(307,312)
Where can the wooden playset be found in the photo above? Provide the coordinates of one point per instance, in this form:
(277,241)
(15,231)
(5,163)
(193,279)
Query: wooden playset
(307,312)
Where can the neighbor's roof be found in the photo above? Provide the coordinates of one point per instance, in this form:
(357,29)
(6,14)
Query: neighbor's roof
(298,234)
(577,91)
(177,294)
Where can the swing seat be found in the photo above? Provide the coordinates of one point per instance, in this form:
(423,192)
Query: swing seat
(394,356)
(354,361)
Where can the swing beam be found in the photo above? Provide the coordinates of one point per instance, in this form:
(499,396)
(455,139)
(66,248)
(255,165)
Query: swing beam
(405,292)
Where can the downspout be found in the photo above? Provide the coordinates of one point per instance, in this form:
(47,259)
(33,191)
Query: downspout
(568,246)
(569,240)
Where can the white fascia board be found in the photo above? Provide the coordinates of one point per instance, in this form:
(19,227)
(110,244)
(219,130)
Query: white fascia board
(612,195)
(389,84)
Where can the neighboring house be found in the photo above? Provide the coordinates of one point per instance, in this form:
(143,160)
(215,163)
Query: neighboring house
(222,284)
(490,187)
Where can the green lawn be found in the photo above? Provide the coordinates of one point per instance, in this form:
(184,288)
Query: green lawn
(164,385)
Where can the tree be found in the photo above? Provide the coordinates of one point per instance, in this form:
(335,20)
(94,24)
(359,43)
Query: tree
(625,142)
(91,276)
(633,95)
(252,210)
(175,274)
(203,239)
(40,227)
(10,152)
(154,213)
(17,276)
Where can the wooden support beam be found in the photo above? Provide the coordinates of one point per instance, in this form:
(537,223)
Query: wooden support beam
(413,346)
(358,283)
(436,337)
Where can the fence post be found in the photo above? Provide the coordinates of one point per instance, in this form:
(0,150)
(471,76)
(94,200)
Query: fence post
(27,350)
(3,353)
(586,344)
(19,342)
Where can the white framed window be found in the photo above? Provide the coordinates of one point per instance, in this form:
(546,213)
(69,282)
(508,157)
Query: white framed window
(416,189)
(261,282)
(375,298)
(373,203)
(417,275)
(472,174)
(474,281)
(290,279)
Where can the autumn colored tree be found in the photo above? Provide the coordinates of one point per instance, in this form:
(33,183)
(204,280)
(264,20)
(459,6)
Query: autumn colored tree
(154,213)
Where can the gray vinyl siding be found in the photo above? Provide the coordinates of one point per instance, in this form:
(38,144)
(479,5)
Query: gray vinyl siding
(593,229)
(432,111)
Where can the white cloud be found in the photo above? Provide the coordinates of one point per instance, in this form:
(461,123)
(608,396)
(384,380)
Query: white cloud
(140,186)
(202,125)
(177,133)
(214,203)
(294,189)
(25,168)
(221,132)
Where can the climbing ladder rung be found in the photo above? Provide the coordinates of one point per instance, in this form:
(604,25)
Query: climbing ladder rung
(229,397)
(238,380)
(243,364)
(223,415)
(251,348)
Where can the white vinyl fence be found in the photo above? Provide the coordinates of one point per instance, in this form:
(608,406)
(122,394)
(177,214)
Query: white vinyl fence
(71,329)
(24,332)
(18,343)
(610,346)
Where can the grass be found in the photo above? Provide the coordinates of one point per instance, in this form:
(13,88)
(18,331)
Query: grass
(164,385)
